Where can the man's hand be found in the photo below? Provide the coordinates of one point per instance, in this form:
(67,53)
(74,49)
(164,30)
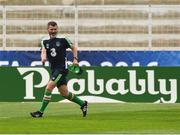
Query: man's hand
(43,61)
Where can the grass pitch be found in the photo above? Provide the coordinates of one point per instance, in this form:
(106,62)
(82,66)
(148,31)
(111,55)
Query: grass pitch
(65,118)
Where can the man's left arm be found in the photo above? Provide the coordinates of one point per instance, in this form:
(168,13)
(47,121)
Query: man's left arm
(75,54)
(74,49)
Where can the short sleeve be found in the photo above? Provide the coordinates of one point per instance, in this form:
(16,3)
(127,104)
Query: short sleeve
(42,41)
(42,44)
(69,43)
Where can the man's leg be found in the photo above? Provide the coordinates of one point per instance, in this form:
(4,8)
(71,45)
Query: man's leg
(46,99)
(72,97)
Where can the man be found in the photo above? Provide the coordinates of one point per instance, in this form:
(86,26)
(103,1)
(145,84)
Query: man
(54,49)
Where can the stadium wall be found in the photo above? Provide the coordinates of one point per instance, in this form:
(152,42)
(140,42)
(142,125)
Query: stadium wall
(97,58)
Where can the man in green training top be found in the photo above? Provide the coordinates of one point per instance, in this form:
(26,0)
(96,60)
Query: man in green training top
(54,49)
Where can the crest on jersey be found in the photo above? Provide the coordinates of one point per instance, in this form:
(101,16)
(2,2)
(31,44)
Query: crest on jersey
(47,46)
(58,44)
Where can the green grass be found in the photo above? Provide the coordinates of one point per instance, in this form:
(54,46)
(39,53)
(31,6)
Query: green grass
(102,118)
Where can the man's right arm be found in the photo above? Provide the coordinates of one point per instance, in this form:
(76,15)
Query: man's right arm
(43,55)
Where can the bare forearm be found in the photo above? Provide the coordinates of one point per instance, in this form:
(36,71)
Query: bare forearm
(74,51)
(75,54)
(43,55)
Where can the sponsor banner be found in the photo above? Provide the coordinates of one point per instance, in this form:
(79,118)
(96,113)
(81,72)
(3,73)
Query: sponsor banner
(97,58)
(96,84)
